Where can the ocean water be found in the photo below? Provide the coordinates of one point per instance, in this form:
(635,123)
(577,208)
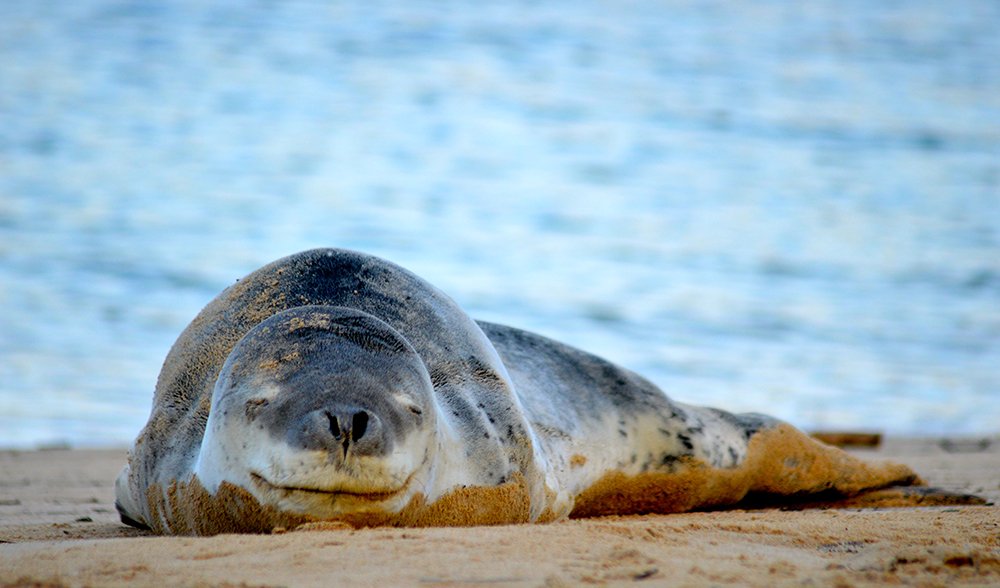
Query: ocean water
(774,206)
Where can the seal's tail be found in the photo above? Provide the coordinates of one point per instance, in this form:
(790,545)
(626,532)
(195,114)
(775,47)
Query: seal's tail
(784,467)
(892,497)
(787,462)
(795,471)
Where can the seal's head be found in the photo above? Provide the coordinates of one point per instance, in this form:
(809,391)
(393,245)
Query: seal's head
(323,411)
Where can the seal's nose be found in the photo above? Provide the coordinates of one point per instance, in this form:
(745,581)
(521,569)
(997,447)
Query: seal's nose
(345,430)
(348,427)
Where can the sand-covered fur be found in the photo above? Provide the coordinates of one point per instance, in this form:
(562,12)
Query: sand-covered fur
(335,386)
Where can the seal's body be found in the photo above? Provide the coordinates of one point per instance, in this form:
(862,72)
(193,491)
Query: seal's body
(333,385)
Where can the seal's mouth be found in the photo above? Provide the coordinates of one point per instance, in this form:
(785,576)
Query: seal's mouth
(376,496)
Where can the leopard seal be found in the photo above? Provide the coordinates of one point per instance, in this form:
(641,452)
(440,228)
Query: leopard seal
(332,385)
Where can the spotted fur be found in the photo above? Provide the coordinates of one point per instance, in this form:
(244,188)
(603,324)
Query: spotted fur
(333,385)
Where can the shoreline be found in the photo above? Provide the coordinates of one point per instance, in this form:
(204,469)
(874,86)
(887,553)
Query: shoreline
(58,526)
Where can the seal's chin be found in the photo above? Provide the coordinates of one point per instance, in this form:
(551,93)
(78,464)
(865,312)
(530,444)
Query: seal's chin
(331,502)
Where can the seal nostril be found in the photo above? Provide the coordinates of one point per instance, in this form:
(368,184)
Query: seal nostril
(334,425)
(359,424)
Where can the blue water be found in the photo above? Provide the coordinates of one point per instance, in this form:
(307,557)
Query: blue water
(773,206)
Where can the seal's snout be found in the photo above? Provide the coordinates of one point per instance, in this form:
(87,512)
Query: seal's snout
(341,430)
(350,428)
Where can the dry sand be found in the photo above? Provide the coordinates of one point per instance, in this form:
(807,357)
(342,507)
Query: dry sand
(58,527)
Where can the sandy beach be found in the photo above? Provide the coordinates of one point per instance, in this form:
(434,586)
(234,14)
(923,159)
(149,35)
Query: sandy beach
(58,527)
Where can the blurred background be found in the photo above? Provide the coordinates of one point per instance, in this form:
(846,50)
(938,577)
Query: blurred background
(774,206)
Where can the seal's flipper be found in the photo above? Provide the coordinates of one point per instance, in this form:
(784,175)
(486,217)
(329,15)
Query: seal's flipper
(783,466)
(129,520)
(786,462)
(892,497)
(898,496)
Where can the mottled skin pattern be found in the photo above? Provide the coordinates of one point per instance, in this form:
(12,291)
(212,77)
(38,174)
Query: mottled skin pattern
(331,383)
(609,417)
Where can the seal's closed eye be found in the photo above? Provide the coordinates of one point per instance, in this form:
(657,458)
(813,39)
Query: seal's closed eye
(335,385)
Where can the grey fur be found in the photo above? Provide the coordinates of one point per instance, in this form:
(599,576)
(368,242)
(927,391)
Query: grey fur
(343,365)
(520,403)
(470,381)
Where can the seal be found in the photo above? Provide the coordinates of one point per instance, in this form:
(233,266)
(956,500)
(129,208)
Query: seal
(336,386)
